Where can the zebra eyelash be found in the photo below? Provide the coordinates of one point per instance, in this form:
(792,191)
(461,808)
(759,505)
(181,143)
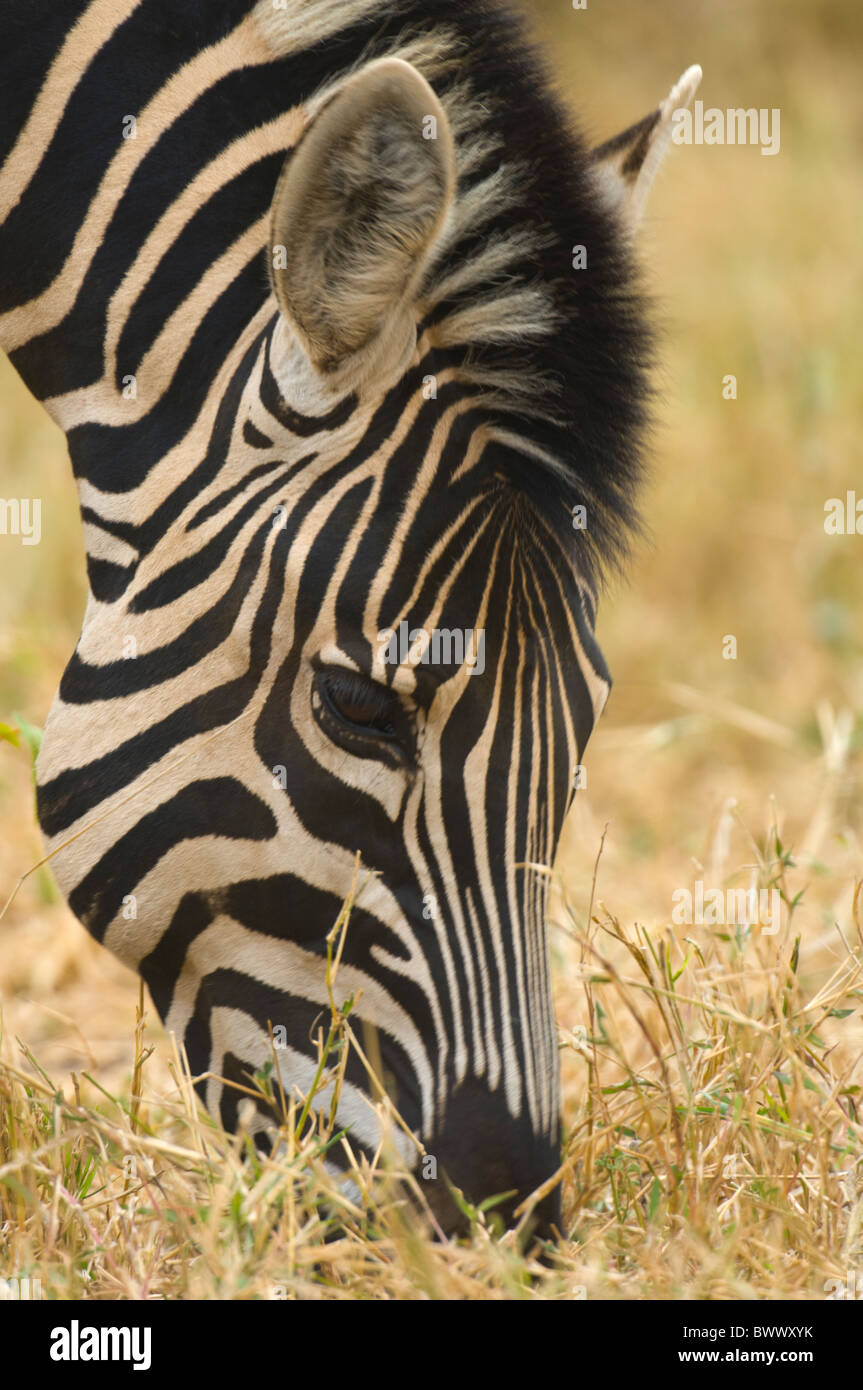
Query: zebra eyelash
(388,732)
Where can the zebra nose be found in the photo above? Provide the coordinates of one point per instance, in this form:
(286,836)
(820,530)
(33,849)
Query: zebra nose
(486,1152)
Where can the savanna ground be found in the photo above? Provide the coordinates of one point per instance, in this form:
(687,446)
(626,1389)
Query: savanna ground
(712,1146)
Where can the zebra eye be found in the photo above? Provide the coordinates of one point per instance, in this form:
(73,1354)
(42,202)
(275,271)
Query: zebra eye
(352,704)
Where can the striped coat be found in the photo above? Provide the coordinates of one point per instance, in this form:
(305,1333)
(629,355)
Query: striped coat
(340,319)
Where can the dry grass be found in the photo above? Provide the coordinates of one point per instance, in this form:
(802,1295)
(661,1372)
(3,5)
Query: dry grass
(710,1075)
(713,1148)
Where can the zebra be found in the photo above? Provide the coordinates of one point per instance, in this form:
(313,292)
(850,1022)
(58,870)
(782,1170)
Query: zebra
(342,321)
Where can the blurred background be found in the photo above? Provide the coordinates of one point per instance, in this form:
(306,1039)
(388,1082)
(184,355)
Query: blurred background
(755,264)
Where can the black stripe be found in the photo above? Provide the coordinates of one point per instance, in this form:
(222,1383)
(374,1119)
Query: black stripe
(73,793)
(33,34)
(209,232)
(122,78)
(117,458)
(252,435)
(214,806)
(302,425)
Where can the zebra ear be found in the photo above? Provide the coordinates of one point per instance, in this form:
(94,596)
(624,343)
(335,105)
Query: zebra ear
(357,210)
(627,164)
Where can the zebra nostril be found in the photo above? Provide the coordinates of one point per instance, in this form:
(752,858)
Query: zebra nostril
(486,1152)
(543,1223)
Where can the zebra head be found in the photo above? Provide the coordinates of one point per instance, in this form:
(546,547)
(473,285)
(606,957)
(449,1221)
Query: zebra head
(345,532)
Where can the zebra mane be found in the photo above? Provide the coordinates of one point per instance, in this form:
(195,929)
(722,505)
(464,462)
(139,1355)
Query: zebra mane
(559,356)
